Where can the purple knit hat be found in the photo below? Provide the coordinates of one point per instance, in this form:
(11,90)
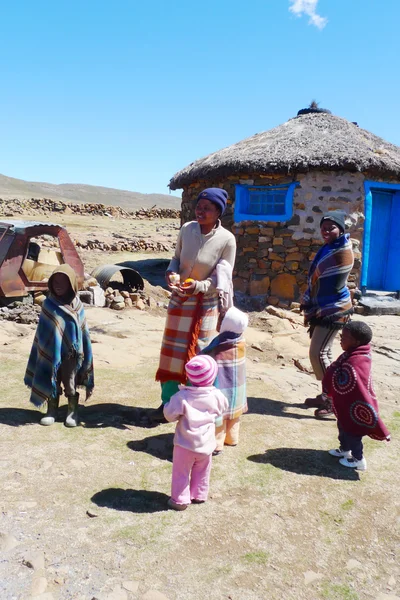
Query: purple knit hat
(201,371)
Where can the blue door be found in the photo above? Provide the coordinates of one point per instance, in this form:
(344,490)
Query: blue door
(384,256)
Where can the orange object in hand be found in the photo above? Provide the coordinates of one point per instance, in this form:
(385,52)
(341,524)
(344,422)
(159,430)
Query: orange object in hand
(187,283)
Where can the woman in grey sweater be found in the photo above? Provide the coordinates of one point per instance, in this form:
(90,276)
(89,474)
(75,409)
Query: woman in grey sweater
(193,309)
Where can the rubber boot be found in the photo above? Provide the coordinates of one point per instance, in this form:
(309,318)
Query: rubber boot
(72,414)
(51,414)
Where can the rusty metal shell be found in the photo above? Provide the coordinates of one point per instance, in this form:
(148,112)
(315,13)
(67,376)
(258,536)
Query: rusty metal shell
(132,279)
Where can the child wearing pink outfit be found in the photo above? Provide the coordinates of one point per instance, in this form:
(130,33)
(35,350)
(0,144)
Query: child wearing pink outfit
(195,408)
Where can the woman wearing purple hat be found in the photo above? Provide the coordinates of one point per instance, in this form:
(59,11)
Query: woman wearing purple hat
(193,309)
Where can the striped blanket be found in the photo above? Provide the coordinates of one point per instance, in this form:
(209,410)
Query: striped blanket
(229,351)
(61,333)
(191,324)
(327,299)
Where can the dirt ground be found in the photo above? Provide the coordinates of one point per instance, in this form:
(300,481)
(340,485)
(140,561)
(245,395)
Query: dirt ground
(86,507)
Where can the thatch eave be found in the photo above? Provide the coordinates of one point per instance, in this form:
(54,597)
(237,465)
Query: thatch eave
(305,143)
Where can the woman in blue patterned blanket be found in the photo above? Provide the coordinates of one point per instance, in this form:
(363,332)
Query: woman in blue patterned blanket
(61,352)
(327,303)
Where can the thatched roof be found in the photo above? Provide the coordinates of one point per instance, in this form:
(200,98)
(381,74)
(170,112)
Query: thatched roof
(310,141)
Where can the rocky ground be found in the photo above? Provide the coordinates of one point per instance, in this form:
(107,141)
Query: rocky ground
(83,512)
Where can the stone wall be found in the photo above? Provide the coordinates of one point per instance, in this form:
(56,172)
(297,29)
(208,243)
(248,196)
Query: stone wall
(273,257)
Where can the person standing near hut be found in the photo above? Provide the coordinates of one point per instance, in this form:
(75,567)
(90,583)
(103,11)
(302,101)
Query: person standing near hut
(327,304)
(194,307)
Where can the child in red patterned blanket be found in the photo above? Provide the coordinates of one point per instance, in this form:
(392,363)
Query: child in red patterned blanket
(348,381)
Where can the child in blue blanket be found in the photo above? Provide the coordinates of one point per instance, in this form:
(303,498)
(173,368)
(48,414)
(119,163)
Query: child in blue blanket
(61,352)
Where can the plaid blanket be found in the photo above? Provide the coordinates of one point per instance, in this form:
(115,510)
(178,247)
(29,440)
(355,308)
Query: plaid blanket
(191,324)
(348,382)
(327,298)
(229,351)
(62,332)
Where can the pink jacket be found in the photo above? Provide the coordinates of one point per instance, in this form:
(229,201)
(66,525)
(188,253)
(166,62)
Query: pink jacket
(195,409)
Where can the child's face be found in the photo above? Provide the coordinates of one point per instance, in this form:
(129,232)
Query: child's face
(60,284)
(347,341)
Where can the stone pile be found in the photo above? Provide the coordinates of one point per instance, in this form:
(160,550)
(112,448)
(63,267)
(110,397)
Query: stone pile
(42,206)
(134,245)
(119,300)
(19,312)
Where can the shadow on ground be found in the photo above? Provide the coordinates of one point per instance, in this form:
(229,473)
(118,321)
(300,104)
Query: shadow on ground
(276,408)
(160,446)
(137,501)
(15,417)
(305,461)
(92,416)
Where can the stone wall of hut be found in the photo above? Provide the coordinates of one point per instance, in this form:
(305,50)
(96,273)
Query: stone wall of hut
(273,257)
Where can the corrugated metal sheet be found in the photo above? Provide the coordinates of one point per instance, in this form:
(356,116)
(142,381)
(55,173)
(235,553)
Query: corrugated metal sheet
(104,274)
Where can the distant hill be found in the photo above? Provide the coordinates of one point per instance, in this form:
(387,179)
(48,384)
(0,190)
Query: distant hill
(18,188)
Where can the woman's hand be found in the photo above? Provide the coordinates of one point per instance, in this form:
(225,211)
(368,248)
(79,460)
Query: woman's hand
(172,279)
(188,289)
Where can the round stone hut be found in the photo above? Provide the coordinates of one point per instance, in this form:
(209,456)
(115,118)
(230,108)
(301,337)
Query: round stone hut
(281,181)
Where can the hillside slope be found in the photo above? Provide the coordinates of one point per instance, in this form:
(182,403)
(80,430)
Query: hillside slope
(18,188)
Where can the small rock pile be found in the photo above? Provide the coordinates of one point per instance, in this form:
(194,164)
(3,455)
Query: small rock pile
(119,300)
(19,312)
(134,245)
(42,206)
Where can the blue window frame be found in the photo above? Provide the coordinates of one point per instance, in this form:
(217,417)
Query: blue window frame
(264,202)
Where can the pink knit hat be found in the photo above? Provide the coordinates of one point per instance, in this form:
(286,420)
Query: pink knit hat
(201,371)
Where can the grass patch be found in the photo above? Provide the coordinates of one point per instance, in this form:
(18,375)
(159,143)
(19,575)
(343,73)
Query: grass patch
(334,591)
(256,558)
(347,505)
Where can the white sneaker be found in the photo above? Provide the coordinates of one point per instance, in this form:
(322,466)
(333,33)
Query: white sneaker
(360,465)
(339,453)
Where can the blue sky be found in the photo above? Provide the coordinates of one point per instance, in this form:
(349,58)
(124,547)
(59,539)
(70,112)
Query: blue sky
(125,93)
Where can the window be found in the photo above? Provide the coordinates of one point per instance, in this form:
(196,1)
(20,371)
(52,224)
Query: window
(264,203)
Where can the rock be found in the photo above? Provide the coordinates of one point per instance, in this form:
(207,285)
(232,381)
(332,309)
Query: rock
(7,542)
(273,300)
(39,585)
(34,561)
(128,303)
(154,595)
(151,302)
(134,296)
(353,564)
(301,366)
(117,305)
(39,299)
(284,286)
(259,287)
(109,291)
(131,586)
(166,293)
(257,347)
(124,294)
(276,312)
(99,298)
(140,304)
(311,576)
(117,594)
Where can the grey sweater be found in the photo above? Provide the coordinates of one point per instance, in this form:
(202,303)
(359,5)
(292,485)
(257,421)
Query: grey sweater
(197,255)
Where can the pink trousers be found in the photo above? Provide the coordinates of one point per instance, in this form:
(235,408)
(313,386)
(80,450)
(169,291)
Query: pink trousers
(190,475)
